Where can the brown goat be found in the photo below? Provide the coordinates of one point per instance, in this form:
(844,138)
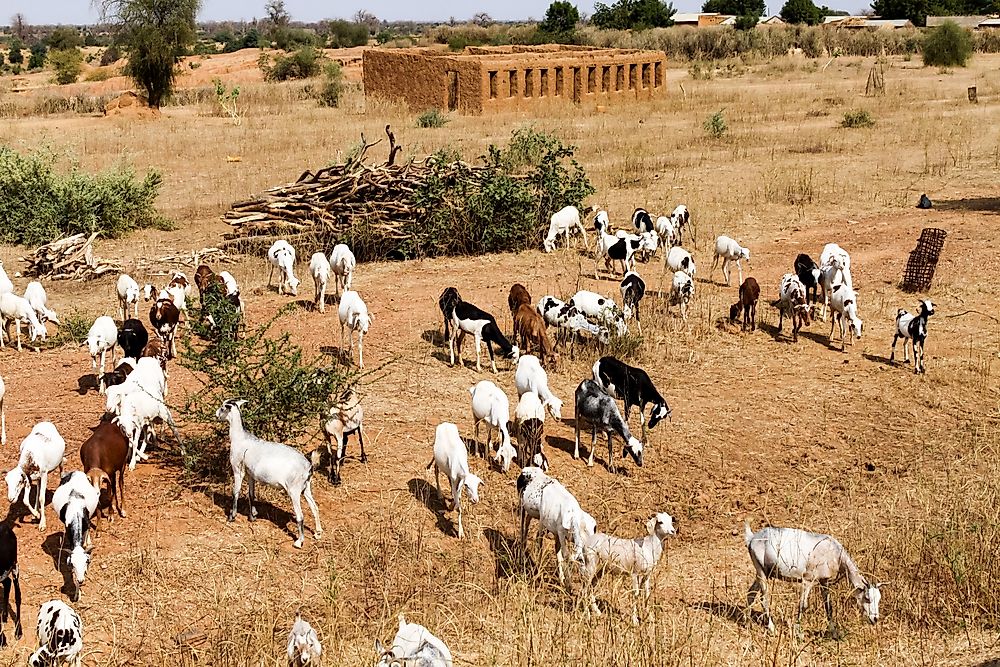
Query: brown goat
(529,440)
(104,455)
(204,278)
(749,294)
(518,295)
(155,349)
(164,317)
(531,327)
(118,375)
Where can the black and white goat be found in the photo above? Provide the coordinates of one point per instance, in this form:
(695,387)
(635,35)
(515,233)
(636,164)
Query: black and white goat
(569,321)
(60,636)
(633,386)
(446,302)
(913,328)
(614,248)
(75,501)
(596,406)
(132,338)
(633,289)
(468,319)
(808,273)
(9,575)
(642,221)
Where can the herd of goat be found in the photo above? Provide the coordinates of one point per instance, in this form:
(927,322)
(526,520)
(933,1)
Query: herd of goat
(136,390)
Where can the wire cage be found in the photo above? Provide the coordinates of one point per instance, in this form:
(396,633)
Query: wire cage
(923,260)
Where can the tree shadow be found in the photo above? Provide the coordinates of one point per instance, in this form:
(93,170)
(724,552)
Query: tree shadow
(281,518)
(342,356)
(426,493)
(980,204)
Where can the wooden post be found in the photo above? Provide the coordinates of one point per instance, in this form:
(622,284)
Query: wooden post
(972,95)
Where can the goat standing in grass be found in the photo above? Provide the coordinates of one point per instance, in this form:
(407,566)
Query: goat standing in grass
(268,462)
(791,554)
(912,328)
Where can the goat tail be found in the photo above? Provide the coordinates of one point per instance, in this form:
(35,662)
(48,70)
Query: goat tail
(747,532)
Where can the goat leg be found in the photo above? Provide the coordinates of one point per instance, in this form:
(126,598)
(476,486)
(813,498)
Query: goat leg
(251,497)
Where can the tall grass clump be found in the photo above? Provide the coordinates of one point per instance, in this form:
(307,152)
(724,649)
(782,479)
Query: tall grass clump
(39,203)
(288,391)
(432,118)
(947,45)
(333,85)
(300,64)
(715,125)
(857,118)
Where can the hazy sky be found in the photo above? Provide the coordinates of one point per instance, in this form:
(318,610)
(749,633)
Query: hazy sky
(80,11)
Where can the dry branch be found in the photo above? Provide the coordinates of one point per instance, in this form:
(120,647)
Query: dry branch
(69,258)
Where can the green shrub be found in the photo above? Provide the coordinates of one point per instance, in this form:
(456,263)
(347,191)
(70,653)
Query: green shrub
(39,204)
(947,45)
(300,64)
(333,85)
(633,15)
(37,58)
(288,391)
(857,118)
(343,34)
(67,63)
(14,55)
(715,125)
(432,118)
(73,328)
(101,74)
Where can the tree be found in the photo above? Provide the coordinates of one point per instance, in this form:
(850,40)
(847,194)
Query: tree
(483,20)
(37,59)
(67,64)
(14,55)
(826,11)
(735,7)
(801,11)
(560,18)
(277,14)
(948,45)
(633,15)
(915,10)
(155,34)
(368,19)
(19,26)
(64,38)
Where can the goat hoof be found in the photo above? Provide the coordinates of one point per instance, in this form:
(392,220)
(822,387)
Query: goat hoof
(231,518)
(364,459)
(297,543)
(318,533)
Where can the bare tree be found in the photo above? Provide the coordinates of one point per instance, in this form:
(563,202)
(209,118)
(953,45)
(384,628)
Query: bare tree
(367,18)
(18,25)
(483,20)
(276,13)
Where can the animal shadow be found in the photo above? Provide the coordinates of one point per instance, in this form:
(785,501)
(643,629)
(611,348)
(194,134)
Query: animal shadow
(306,304)
(731,612)
(884,361)
(265,510)
(426,493)
(510,560)
(87,382)
(561,443)
(52,546)
(995,662)
(434,337)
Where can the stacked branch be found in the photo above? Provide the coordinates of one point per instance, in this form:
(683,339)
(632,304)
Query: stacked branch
(71,258)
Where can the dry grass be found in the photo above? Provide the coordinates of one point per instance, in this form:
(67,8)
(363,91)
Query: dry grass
(902,469)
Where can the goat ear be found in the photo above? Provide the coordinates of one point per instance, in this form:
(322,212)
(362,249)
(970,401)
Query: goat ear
(379,648)
(883,583)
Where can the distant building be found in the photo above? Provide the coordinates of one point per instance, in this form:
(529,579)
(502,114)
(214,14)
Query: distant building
(771,20)
(703,19)
(857,22)
(970,22)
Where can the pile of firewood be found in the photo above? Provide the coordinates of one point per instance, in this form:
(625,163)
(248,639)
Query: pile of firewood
(69,258)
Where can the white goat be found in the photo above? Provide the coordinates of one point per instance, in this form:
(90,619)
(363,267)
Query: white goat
(679,259)
(558,512)
(355,316)
(3,413)
(319,267)
(681,217)
(137,412)
(564,221)
(35,294)
(16,308)
(60,636)
(665,228)
(303,644)
(636,558)
(270,463)
(490,405)
(281,255)
(730,251)
(600,309)
(569,321)
(128,295)
(103,336)
(342,262)
(681,292)
(413,646)
(844,305)
(530,376)
(451,458)
(74,502)
(42,451)
(5,284)
(835,268)
(791,554)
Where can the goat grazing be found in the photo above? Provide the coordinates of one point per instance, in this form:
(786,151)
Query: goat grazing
(835,268)
(281,256)
(133,338)
(791,554)
(530,326)
(793,304)
(730,251)
(529,425)
(103,336)
(679,259)
(319,267)
(17,309)
(596,406)
(680,217)
(304,649)
(912,328)
(342,263)
(642,221)
(164,316)
(666,231)
(633,288)
(808,274)
(616,249)
(558,512)
(602,310)
(451,458)
(844,306)
(413,646)
(178,289)
(10,576)
(104,456)
(490,405)
(42,451)
(345,418)
(636,558)
(353,313)
(518,294)
(569,322)
(681,292)
(60,636)
(468,319)
(565,221)
(634,387)
(446,302)
(530,376)
(270,463)
(75,501)
(749,294)
(36,297)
